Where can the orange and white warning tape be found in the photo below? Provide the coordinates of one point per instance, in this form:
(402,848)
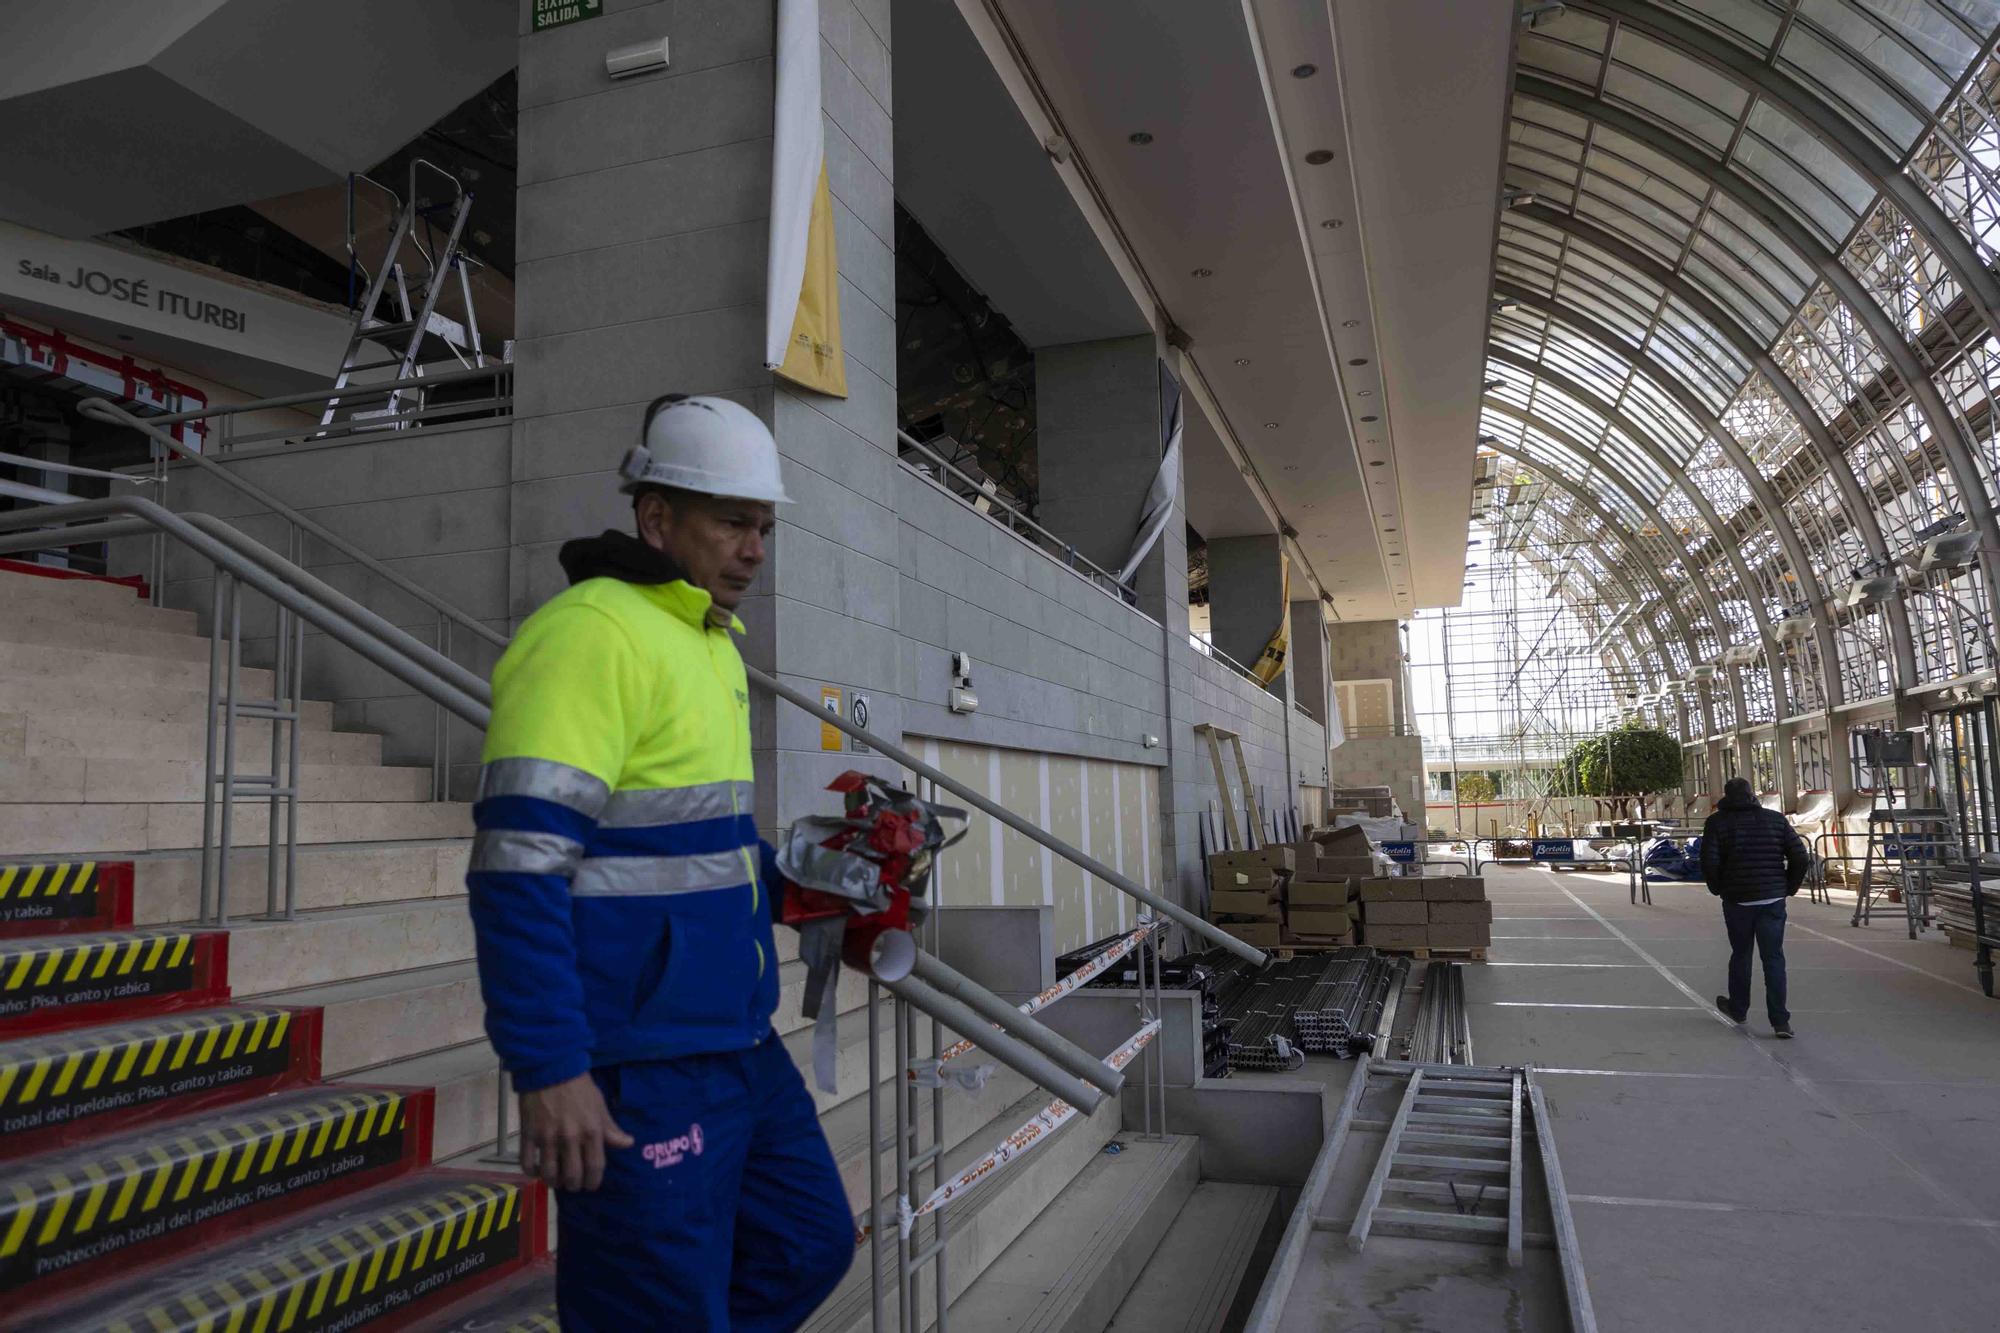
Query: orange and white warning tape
(1096,967)
(1037,1129)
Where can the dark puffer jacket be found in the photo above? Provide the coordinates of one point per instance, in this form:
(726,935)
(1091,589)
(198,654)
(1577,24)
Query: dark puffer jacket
(1749,853)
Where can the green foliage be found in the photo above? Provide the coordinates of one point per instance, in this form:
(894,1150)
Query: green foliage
(1630,761)
(1476,789)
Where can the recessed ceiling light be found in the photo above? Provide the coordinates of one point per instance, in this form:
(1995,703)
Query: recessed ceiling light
(1139,137)
(1357,361)
(1204,273)
(1242,360)
(1319,157)
(1304,71)
(1388,529)
(1291,467)
(1333,224)
(1374,462)
(1270,425)
(1371,418)
(1364,393)
(1350,323)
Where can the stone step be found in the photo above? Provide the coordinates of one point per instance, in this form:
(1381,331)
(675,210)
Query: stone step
(436,1233)
(66,735)
(129,698)
(92,666)
(28,595)
(465,1081)
(1070,1270)
(373,1021)
(56,1088)
(986,1220)
(168,884)
(148,781)
(88,1214)
(1194,1277)
(36,829)
(346,944)
(66,630)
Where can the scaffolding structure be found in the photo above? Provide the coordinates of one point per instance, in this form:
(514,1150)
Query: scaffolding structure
(1532,662)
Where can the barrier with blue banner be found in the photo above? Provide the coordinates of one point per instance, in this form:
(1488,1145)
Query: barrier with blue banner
(1403,852)
(1553,849)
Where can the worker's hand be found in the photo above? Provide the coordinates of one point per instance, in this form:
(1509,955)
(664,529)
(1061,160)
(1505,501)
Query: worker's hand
(565,1129)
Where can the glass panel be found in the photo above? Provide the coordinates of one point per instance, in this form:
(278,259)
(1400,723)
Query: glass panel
(1842,80)
(1804,196)
(1714,124)
(1932,53)
(1560,60)
(1749,23)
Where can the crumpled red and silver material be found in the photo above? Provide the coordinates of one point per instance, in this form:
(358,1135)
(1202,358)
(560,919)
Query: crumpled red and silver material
(848,879)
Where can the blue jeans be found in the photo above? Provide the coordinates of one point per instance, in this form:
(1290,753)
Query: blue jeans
(1762,928)
(727,1213)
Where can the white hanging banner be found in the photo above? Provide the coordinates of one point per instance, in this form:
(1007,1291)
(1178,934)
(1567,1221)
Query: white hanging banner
(1166,482)
(802,294)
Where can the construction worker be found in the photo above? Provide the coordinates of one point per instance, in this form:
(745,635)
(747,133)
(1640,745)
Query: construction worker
(623,905)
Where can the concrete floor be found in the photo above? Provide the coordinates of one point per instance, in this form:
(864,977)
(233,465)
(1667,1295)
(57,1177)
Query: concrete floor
(1722,1179)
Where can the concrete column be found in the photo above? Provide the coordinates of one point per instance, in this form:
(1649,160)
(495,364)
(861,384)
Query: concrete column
(1378,750)
(642,220)
(1099,444)
(1246,593)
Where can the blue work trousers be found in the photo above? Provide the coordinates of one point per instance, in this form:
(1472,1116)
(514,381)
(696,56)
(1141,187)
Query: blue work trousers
(727,1213)
(1762,928)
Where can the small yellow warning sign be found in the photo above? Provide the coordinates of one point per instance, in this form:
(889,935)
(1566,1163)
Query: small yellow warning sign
(829,735)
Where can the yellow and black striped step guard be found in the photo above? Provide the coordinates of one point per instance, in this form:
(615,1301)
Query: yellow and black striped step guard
(56,890)
(519,1305)
(73,1076)
(390,1248)
(86,1204)
(62,970)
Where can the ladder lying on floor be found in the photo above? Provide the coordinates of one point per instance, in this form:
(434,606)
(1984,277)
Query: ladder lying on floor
(1452,1167)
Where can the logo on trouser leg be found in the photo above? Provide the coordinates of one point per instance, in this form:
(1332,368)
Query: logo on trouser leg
(670,1152)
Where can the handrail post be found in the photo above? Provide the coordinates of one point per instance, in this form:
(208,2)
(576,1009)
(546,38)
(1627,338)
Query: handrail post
(234,651)
(206,909)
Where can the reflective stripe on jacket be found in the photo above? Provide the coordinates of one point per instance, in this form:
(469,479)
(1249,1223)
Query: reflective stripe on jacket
(614,879)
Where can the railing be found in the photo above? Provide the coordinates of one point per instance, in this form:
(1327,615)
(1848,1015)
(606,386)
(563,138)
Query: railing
(1208,649)
(982,498)
(426,407)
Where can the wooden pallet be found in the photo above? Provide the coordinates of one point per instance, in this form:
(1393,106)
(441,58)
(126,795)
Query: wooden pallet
(1477,955)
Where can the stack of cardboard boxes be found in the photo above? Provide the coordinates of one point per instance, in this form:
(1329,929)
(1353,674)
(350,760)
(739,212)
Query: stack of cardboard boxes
(1248,894)
(1443,912)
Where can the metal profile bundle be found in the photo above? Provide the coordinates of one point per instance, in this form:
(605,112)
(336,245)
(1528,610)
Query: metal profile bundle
(1343,1012)
(1441,1033)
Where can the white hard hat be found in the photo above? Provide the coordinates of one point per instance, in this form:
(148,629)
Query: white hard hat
(709,445)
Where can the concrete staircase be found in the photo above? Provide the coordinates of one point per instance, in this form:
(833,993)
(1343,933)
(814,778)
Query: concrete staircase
(229,1052)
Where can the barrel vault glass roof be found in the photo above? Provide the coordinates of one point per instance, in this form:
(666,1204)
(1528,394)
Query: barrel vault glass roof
(1745,342)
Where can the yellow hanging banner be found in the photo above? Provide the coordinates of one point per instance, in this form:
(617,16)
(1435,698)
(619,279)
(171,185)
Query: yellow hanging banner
(814,357)
(1272,660)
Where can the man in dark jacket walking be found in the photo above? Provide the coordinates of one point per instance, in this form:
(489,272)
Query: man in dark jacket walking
(1753,859)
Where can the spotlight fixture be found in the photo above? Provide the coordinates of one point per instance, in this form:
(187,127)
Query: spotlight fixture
(1515,197)
(1319,157)
(1358,361)
(1242,360)
(1333,224)
(1204,273)
(1139,137)
(1304,71)
(1270,425)
(1491,385)
(1374,462)
(1350,323)
(1371,418)
(1502,304)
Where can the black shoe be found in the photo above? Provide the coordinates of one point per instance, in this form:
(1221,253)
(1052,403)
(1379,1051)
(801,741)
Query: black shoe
(1782,1030)
(1722,1003)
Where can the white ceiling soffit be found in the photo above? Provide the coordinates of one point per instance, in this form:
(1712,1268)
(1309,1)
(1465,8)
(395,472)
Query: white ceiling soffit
(1425,86)
(972,171)
(130,111)
(1202,137)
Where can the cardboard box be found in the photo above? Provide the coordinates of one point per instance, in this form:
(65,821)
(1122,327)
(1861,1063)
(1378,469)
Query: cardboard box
(1256,934)
(1461,937)
(1257,879)
(1399,888)
(1455,889)
(1389,912)
(1348,841)
(1461,914)
(1337,867)
(1229,902)
(1319,922)
(1278,856)
(1346,938)
(1320,893)
(1395,937)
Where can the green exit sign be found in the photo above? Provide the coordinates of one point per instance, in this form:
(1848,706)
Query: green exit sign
(555,13)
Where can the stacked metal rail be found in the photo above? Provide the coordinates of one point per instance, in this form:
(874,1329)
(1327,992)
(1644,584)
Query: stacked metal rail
(1343,1013)
(1441,1033)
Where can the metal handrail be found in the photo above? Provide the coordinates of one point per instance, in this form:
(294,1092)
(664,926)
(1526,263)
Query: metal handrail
(321,395)
(104,411)
(1208,649)
(1101,578)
